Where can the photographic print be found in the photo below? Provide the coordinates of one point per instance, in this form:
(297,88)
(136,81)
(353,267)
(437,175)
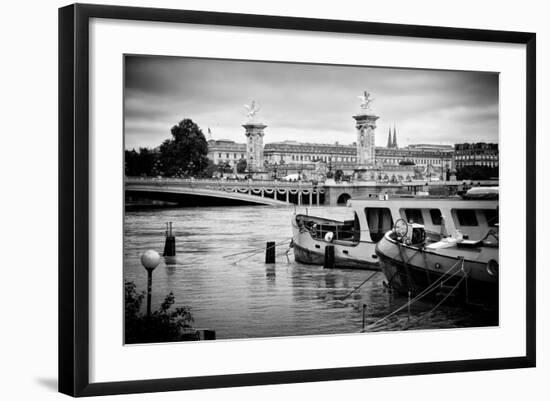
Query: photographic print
(274,199)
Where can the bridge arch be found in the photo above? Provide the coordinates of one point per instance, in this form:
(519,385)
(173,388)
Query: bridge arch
(343,198)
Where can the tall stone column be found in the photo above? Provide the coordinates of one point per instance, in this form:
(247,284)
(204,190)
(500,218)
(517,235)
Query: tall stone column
(365,124)
(254,133)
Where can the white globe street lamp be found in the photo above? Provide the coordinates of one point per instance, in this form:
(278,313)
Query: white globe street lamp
(150,260)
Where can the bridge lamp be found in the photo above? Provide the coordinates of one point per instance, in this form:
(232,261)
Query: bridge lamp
(150,260)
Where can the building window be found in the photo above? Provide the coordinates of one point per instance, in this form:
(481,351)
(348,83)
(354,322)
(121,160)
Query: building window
(491,216)
(435,215)
(414,216)
(466,217)
(219,155)
(379,220)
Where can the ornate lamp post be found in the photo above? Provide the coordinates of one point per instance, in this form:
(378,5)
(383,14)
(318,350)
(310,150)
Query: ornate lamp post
(150,260)
(275,165)
(329,174)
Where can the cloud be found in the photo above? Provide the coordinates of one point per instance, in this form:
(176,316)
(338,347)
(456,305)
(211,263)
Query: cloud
(305,102)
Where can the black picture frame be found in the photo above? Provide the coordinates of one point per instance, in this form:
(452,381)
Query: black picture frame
(74,198)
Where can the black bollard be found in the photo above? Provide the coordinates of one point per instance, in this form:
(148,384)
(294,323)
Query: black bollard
(329,257)
(364,313)
(270,252)
(209,335)
(170,243)
(170,246)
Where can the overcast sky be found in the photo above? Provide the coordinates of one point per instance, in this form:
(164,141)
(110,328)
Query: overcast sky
(305,102)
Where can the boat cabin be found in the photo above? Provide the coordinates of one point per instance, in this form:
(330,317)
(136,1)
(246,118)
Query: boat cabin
(443,216)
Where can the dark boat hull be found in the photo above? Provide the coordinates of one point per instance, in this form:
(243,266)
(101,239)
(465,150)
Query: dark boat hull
(417,276)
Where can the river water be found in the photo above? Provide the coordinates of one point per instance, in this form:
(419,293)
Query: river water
(241,297)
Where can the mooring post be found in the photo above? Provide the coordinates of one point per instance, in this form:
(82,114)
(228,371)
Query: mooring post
(364,313)
(329,257)
(209,334)
(270,252)
(170,242)
(409,306)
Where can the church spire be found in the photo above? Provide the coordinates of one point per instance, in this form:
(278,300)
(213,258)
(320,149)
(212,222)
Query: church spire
(389,138)
(394,144)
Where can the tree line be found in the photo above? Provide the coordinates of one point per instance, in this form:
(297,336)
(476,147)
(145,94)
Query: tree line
(182,155)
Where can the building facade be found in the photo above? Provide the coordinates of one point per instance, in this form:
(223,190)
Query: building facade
(361,159)
(226,151)
(476,154)
(418,156)
(294,152)
(316,159)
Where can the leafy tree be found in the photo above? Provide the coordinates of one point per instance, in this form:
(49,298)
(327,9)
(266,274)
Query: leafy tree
(338,174)
(210,170)
(130,162)
(185,153)
(140,163)
(163,325)
(241,166)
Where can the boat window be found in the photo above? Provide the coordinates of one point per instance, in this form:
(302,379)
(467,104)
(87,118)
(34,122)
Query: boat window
(379,220)
(466,217)
(414,216)
(435,214)
(491,215)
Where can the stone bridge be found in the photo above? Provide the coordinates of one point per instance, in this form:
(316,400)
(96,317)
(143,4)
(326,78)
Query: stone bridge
(192,192)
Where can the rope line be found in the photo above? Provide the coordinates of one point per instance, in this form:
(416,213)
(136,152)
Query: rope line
(359,286)
(438,304)
(257,249)
(427,290)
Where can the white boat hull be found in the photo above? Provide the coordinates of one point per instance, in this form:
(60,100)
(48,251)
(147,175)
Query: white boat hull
(347,254)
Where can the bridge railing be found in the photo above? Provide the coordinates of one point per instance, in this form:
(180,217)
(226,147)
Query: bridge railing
(218,183)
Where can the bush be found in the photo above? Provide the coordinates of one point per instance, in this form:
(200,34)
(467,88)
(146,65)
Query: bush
(162,326)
